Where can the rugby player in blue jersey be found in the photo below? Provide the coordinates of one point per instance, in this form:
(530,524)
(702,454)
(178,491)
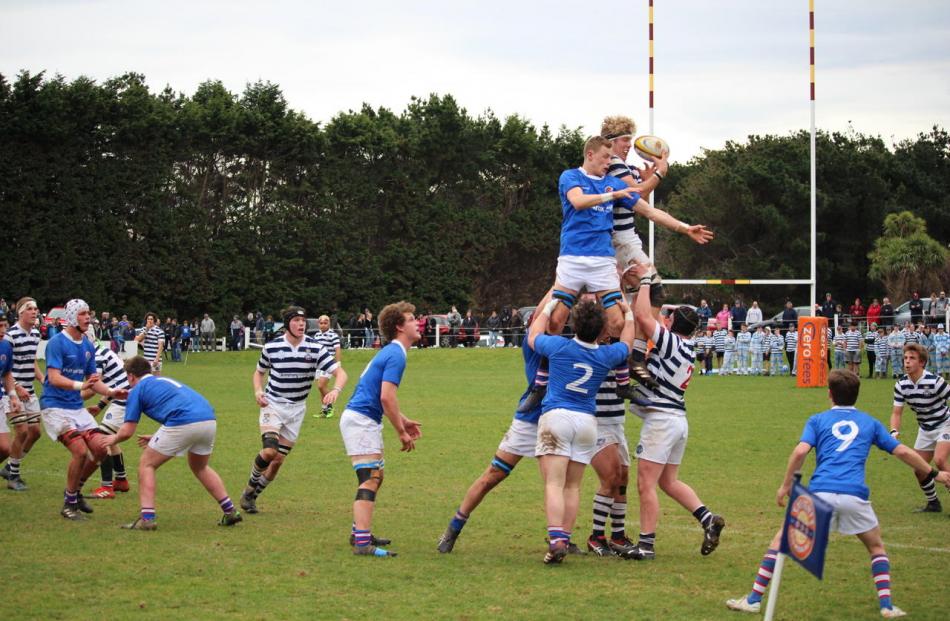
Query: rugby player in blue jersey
(9,401)
(362,421)
(842,438)
(567,429)
(519,441)
(70,369)
(188,425)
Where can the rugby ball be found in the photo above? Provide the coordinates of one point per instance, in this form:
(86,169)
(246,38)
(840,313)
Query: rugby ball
(650,147)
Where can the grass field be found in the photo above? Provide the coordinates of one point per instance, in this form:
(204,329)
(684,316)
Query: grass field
(292,561)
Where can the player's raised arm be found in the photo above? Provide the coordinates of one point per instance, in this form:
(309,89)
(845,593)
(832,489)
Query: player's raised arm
(579,200)
(539,322)
(642,309)
(697,232)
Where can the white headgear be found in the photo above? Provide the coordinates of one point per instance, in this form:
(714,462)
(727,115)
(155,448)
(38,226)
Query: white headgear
(73,308)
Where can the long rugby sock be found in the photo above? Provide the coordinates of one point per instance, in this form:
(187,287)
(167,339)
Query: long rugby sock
(147,513)
(618,518)
(226,505)
(639,349)
(105,471)
(881,572)
(556,534)
(541,378)
(118,465)
(262,483)
(703,515)
(458,522)
(362,538)
(763,577)
(257,469)
(929,489)
(601,511)
(14,467)
(647,541)
(70,498)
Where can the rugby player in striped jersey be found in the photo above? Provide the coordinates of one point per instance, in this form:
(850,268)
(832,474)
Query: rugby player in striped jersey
(290,364)
(152,339)
(926,393)
(665,429)
(112,468)
(331,341)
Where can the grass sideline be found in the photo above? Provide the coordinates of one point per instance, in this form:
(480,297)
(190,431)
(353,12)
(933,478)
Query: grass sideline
(292,561)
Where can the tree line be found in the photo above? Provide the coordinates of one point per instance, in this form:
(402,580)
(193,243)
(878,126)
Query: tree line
(224,203)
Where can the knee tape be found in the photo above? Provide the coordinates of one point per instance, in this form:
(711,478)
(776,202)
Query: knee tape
(366,494)
(500,464)
(260,463)
(96,443)
(611,299)
(567,299)
(369,470)
(284,449)
(622,489)
(270,441)
(70,437)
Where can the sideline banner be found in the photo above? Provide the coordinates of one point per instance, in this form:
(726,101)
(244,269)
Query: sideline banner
(812,352)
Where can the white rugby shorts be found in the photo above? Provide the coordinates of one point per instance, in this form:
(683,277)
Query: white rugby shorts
(361,434)
(927,440)
(197,438)
(57,421)
(852,515)
(112,419)
(628,248)
(283,418)
(594,273)
(610,431)
(29,411)
(663,438)
(520,439)
(4,408)
(568,434)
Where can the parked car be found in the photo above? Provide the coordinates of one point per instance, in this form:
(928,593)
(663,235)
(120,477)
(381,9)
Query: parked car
(444,330)
(902,312)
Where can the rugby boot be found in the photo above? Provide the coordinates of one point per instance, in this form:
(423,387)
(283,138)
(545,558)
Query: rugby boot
(328,411)
(372,550)
(640,372)
(82,504)
(639,554)
(598,545)
(892,613)
(230,519)
(120,485)
(621,547)
(572,548)
(5,472)
(17,484)
(556,553)
(625,391)
(140,524)
(742,604)
(932,506)
(533,400)
(373,540)
(103,493)
(249,504)
(72,512)
(447,540)
(711,535)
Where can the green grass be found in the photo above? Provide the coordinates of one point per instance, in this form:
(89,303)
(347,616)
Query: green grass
(292,561)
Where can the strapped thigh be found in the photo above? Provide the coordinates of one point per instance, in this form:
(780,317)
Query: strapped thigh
(567,299)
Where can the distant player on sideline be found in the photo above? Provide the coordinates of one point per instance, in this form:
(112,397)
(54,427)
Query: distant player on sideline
(926,393)
(25,339)
(331,341)
(188,425)
(71,369)
(842,439)
(152,339)
(112,468)
(519,441)
(290,362)
(567,429)
(627,244)
(362,421)
(665,428)
(9,402)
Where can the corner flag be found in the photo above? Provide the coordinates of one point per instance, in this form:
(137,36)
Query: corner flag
(805,533)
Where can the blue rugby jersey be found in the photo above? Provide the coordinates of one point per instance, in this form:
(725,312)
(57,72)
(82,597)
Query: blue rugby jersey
(387,365)
(576,371)
(166,401)
(74,360)
(586,232)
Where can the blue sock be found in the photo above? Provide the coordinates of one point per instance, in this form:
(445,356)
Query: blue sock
(458,522)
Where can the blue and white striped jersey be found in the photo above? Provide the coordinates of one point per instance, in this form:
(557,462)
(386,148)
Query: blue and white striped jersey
(329,339)
(729,344)
(744,340)
(623,213)
(927,398)
(671,364)
(840,341)
(24,355)
(910,336)
(881,348)
(609,405)
(153,336)
(791,340)
(941,342)
(895,340)
(719,337)
(111,370)
(758,343)
(852,340)
(292,369)
(777,344)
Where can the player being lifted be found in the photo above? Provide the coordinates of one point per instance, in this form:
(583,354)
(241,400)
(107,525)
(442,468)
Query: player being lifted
(926,393)
(842,438)
(25,339)
(665,428)
(519,441)
(567,430)
(627,244)
(361,423)
(290,362)
(70,370)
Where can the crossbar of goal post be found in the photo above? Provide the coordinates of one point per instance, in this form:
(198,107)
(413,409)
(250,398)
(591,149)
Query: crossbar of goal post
(812,281)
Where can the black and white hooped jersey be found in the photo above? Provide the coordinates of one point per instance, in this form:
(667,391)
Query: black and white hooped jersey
(927,398)
(293,369)
(24,354)
(671,364)
(609,405)
(153,336)
(852,339)
(329,339)
(111,370)
(791,340)
(719,339)
(623,215)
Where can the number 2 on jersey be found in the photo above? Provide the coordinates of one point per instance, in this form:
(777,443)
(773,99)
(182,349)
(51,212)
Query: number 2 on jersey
(576,384)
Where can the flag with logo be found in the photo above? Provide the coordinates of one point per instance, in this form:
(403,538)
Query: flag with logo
(805,533)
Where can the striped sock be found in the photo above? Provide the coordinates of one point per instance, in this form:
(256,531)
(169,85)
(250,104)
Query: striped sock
(262,483)
(704,515)
(601,511)
(647,541)
(639,345)
(148,513)
(257,468)
(541,378)
(929,489)
(226,505)
(618,519)
(556,534)
(762,579)
(622,375)
(118,465)
(881,571)
(13,465)
(70,498)
(458,522)
(362,538)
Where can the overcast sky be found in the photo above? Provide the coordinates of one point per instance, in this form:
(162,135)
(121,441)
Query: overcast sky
(724,70)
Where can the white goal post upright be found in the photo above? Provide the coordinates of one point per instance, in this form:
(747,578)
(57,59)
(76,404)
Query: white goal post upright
(812,280)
